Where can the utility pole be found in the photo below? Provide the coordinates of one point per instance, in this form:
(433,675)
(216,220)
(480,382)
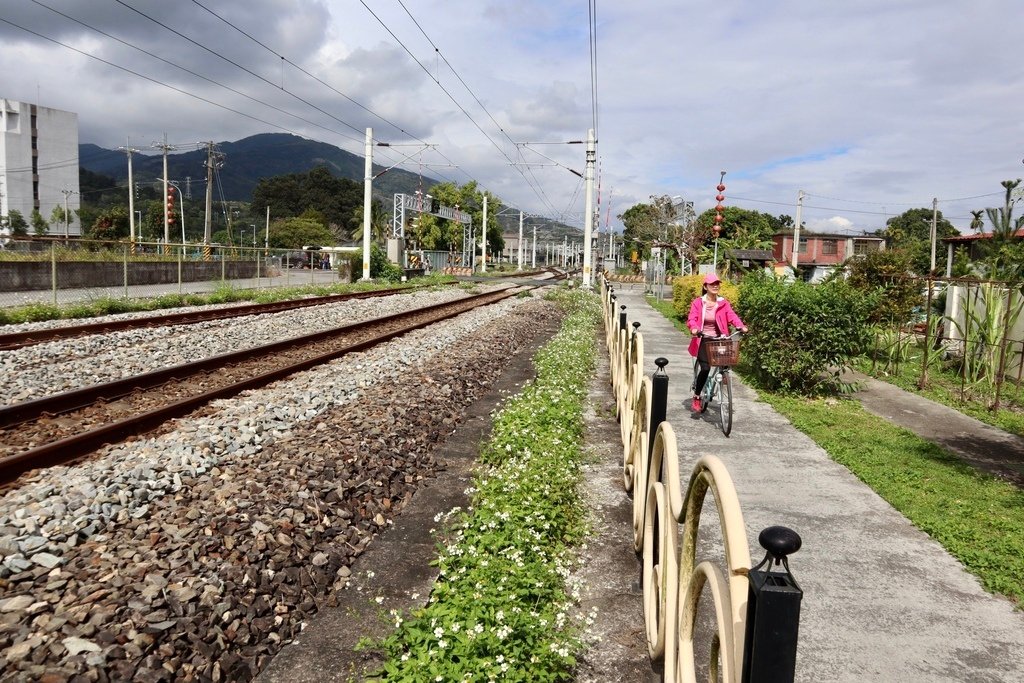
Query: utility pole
(68,192)
(588,219)
(796,229)
(533,252)
(167,223)
(934,231)
(208,220)
(367,201)
(131,196)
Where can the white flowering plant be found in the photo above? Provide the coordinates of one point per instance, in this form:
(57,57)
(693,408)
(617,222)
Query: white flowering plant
(500,609)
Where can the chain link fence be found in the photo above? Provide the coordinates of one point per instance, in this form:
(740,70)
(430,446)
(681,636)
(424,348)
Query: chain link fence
(59,271)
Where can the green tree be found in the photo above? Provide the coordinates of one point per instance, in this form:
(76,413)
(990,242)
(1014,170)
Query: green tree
(294,233)
(39,224)
(292,194)
(884,275)
(469,198)
(17,223)
(638,232)
(380,223)
(59,218)
(1004,252)
(911,232)
(110,224)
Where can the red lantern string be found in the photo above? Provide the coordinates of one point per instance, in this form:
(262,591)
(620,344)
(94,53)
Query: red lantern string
(717,227)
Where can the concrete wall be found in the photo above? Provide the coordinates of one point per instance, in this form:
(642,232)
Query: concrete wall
(17,276)
(963,300)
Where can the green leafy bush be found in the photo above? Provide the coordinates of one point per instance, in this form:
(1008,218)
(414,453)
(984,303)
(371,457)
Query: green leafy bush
(381,268)
(802,336)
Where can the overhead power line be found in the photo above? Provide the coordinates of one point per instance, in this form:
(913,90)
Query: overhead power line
(537,190)
(262,103)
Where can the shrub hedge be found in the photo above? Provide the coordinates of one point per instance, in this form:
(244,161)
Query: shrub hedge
(802,336)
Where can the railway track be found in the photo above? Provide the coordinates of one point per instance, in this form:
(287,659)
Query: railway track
(17,340)
(63,427)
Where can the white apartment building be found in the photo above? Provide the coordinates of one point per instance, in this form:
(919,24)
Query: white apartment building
(39,163)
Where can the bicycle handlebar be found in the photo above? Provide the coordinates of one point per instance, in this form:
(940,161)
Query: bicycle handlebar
(737,334)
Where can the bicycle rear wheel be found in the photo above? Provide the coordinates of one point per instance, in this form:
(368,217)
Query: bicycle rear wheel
(725,403)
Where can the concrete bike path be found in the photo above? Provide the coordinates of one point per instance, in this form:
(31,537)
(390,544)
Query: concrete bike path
(882,600)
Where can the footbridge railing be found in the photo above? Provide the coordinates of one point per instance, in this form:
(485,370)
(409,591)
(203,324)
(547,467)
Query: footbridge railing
(756,609)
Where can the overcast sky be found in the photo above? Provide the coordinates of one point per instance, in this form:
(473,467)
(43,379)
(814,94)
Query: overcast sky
(870,107)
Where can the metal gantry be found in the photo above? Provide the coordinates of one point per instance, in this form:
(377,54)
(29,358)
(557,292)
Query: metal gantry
(424,203)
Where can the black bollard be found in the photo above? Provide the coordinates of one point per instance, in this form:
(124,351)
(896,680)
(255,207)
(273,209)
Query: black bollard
(659,402)
(622,317)
(773,612)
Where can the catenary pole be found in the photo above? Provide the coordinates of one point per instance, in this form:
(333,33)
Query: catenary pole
(520,260)
(588,218)
(367,200)
(483,239)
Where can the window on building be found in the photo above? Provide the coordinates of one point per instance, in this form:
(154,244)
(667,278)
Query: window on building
(829,247)
(803,245)
(862,247)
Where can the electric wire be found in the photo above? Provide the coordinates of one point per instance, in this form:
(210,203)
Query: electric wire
(307,73)
(148,78)
(453,100)
(592,7)
(192,73)
(239,66)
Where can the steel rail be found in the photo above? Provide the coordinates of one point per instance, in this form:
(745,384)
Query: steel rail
(78,445)
(16,340)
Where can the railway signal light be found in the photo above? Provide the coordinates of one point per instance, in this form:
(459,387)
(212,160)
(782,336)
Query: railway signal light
(170,204)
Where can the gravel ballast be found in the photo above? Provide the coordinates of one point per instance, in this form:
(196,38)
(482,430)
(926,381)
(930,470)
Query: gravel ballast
(193,555)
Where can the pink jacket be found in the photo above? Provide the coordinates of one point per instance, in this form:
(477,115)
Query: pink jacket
(724,316)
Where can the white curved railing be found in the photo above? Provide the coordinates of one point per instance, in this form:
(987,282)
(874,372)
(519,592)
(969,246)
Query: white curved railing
(673,580)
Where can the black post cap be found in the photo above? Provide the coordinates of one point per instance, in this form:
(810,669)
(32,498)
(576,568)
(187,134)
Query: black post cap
(661,362)
(635,325)
(779,541)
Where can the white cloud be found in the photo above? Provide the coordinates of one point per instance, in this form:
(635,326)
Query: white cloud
(871,107)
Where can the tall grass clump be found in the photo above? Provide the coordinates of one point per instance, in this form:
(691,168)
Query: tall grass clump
(500,607)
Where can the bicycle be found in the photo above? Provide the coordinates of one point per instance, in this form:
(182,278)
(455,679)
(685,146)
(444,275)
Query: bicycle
(722,354)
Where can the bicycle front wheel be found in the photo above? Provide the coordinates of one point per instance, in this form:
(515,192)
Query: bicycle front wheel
(725,403)
(708,393)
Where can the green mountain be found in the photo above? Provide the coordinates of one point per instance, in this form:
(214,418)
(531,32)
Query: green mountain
(245,161)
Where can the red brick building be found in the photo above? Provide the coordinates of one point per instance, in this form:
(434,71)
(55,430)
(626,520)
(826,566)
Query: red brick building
(820,253)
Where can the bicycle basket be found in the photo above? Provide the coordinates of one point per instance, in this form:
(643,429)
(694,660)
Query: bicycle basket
(723,352)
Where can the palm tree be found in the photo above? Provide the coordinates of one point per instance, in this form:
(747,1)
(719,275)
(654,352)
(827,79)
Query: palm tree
(380,223)
(977,224)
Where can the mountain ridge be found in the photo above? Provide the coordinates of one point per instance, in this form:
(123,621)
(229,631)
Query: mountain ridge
(246,161)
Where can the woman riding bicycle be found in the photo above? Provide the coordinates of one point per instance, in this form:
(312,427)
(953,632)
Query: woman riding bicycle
(711,316)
